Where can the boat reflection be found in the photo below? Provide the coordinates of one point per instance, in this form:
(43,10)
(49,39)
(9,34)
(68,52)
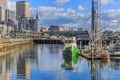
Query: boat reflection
(70,65)
(96,68)
(69,62)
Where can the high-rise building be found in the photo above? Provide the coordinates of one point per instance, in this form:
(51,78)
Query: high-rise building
(3,7)
(9,14)
(22,8)
(4,3)
(2,13)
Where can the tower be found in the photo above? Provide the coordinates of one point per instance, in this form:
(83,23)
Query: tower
(37,22)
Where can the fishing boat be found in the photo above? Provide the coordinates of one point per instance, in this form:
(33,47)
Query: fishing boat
(70,53)
(97,50)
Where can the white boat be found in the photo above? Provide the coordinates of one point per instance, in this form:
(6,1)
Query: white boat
(114,48)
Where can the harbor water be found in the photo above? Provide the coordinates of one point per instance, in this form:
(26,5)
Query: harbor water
(43,62)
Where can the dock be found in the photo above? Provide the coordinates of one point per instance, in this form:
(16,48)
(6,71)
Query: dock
(58,41)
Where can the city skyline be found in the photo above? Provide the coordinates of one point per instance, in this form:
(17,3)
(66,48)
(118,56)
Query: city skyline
(72,13)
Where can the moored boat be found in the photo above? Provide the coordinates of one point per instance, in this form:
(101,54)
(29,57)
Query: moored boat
(70,53)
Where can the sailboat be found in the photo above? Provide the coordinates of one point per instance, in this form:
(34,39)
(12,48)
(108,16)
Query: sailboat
(95,48)
(70,53)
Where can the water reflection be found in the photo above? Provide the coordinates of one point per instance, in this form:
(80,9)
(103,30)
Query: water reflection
(69,61)
(43,62)
(15,65)
(96,69)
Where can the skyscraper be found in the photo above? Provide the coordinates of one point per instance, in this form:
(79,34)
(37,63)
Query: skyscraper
(2,13)
(22,8)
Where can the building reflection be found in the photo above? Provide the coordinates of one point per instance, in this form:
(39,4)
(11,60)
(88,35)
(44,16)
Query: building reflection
(3,72)
(17,62)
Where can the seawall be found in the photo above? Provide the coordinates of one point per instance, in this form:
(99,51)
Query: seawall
(6,44)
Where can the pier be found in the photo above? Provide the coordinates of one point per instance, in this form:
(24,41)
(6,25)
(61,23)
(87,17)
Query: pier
(58,41)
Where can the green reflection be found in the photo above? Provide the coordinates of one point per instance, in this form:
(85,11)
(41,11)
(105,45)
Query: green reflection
(70,58)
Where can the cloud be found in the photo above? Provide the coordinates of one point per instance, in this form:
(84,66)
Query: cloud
(60,2)
(111,14)
(106,2)
(12,6)
(59,16)
(111,19)
(80,7)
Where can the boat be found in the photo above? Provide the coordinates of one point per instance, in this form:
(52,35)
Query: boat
(114,48)
(70,53)
(96,51)
(95,48)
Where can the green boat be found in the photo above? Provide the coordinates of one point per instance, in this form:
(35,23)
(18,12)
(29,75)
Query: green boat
(70,53)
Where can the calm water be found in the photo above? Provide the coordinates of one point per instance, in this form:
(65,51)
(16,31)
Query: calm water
(43,62)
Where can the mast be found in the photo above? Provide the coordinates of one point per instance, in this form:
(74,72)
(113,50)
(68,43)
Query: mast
(94,25)
(92,28)
(92,14)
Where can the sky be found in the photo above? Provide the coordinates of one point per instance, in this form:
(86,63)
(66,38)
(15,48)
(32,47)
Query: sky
(73,13)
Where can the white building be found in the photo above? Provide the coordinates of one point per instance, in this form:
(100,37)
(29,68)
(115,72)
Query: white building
(56,28)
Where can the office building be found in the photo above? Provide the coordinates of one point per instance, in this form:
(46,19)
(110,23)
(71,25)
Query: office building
(2,13)
(4,3)
(9,14)
(22,8)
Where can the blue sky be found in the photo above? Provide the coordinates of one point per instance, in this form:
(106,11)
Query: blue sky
(72,13)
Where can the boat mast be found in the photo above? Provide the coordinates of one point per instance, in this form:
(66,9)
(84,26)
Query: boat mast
(94,24)
(92,28)
(92,14)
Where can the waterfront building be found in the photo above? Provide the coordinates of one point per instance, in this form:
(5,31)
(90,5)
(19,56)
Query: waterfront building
(56,28)
(9,14)
(82,29)
(25,23)
(2,13)
(22,8)
(116,33)
(3,31)
(43,29)
(107,34)
(34,23)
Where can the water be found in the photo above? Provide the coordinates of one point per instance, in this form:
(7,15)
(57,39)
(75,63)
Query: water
(43,62)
